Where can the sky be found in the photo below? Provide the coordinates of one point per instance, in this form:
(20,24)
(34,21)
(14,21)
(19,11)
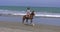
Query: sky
(36,3)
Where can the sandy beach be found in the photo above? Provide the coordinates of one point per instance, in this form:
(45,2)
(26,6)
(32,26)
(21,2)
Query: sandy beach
(13,24)
(19,27)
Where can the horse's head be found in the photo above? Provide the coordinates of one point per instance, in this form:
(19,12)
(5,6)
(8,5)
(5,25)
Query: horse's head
(32,13)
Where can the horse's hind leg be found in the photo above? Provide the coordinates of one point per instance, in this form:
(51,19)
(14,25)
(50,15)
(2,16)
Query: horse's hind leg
(31,21)
(26,20)
(23,20)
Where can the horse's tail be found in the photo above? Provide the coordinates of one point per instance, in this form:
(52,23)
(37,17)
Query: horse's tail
(24,16)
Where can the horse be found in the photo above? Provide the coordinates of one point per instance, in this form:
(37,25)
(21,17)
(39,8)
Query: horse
(28,18)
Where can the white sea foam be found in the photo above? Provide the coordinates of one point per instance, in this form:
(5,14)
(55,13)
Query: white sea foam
(43,14)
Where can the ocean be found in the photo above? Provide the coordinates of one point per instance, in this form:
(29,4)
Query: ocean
(44,15)
(40,11)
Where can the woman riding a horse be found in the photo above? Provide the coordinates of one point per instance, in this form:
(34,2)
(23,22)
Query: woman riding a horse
(29,17)
(28,12)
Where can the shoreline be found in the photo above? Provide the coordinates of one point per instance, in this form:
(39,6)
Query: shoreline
(36,20)
(27,28)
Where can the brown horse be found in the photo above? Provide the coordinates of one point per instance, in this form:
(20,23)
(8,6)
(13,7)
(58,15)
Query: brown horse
(28,18)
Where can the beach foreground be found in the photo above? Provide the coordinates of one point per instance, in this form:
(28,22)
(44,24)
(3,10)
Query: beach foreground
(19,27)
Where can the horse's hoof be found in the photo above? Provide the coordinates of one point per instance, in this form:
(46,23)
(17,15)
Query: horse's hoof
(33,24)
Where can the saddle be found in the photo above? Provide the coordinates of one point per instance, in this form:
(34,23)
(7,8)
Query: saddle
(27,15)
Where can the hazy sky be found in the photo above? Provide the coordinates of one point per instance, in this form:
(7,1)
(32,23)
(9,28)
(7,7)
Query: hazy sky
(39,3)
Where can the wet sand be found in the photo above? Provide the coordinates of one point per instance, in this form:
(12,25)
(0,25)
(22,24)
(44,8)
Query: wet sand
(19,27)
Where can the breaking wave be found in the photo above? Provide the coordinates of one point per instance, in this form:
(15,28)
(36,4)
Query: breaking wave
(43,14)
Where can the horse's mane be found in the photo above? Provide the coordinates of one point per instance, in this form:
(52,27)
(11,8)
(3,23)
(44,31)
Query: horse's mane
(32,13)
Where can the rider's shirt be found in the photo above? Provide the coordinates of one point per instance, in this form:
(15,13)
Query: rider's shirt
(28,12)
